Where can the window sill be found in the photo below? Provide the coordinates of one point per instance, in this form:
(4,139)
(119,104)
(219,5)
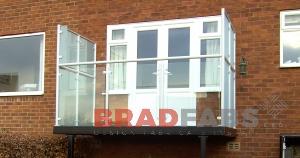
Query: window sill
(10,94)
(289,66)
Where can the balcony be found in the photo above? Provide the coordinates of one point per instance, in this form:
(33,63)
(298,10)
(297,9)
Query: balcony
(162,76)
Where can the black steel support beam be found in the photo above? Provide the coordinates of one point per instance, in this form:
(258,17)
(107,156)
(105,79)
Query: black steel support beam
(71,146)
(145,130)
(203,140)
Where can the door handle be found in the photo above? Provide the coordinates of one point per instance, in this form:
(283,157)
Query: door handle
(168,73)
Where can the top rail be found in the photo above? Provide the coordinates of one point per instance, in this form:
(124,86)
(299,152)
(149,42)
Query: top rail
(138,60)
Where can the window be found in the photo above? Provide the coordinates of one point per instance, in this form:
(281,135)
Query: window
(161,39)
(22,64)
(290,39)
(118,51)
(146,48)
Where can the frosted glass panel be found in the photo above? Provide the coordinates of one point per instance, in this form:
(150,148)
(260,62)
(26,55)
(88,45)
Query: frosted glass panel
(67,98)
(210,72)
(86,51)
(68,47)
(85,100)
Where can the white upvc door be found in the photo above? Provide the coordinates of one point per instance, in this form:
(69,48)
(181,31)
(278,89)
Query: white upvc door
(161,84)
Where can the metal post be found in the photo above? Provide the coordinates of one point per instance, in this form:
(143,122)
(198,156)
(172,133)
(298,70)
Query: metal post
(71,146)
(203,146)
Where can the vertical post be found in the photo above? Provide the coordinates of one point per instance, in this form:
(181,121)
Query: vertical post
(77,82)
(203,140)
(71,146)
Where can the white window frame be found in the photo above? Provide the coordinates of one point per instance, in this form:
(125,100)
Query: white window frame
(283,29)
(210,19)
(122,42)
(42,66)
(196,29)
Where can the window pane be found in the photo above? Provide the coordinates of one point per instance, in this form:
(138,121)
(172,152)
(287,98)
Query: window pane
(20,60)
(118,70)
(291,47)
(118,34)
(178,74)
(210,46)
(209,72)
(146,48)
(292,20)
(210,27)
(179,45)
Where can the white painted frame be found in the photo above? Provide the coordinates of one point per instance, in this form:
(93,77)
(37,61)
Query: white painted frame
(284,28)
(42,66)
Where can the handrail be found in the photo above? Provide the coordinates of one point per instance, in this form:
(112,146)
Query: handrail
(138,60)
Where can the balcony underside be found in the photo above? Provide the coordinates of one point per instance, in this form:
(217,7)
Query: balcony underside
(155,131)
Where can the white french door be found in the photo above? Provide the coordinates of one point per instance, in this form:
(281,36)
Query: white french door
(161,84)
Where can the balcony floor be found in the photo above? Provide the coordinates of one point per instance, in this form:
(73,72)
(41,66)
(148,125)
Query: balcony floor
(146,130)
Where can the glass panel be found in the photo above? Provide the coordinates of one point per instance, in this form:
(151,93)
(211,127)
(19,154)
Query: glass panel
(100,100)
(100,85)
(146,48)
(179,45)
(209,72)
(232,98)
(292,20)
(178,74)
(208,109)
(184,103)
(232,49)
(86,51)
(146,74)
(118,70)
(67,98)
(86,54)
(118,102)
(210,27)
(118,34)
(68,46)
(20,60)
(210,46)
(227,113)
(291,47)
(85,98)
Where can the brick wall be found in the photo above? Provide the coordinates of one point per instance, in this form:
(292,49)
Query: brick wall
(257,26)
